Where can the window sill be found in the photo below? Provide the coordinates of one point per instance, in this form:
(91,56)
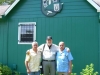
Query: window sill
(24,43)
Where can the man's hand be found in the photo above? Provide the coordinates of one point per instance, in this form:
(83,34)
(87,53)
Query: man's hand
(69,72)
(28,71)
(27,68)
(40,49)
(68,50)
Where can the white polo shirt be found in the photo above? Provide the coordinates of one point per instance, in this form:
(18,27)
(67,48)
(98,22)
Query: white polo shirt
(50,54)
(33,59)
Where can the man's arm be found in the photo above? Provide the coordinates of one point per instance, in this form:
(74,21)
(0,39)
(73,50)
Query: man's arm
(70,67)
(27,61)
(70,58)
(40,48)
(27,67)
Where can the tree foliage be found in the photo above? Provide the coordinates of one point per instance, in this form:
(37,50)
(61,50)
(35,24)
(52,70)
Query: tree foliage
(2,2)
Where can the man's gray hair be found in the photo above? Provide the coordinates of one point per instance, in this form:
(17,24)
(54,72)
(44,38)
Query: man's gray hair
(34,43)
(61,42)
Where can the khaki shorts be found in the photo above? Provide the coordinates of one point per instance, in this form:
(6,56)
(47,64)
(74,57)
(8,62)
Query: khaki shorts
(62,73)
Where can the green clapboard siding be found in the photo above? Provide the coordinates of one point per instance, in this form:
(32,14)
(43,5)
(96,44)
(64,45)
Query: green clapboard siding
(99,45)
(32,8)
(3,42)
(77,25)
(80,34)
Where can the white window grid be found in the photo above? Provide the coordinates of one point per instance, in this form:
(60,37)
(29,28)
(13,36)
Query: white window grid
(19,32)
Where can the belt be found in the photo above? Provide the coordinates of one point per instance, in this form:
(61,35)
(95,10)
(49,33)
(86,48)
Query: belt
(49,60)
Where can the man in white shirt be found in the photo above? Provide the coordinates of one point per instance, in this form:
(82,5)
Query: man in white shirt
(49,56)
(32,60)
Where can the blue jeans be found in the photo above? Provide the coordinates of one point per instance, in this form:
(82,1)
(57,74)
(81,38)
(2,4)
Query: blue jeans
(34,73)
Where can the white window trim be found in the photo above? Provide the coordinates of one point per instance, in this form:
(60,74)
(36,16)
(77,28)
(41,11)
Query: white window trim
(19,31)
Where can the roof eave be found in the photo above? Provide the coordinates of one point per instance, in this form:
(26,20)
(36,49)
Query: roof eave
(11,7)
(94,5)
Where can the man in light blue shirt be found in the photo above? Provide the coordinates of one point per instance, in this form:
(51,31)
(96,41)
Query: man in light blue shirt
(64,60)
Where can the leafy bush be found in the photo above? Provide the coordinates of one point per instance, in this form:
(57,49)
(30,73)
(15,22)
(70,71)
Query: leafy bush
(0,69)
(0,73)
(5,70)
(89,70)
(73,73)
(16,73)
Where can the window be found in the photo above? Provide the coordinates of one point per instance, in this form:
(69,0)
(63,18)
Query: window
(26,32)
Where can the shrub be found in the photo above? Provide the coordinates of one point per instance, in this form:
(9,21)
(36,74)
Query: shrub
(89,70)
(16,73)
(5,70)
(73,73)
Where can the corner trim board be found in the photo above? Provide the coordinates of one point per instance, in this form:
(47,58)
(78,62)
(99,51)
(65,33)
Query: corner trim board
(0,16)
(99,17)
(98,10)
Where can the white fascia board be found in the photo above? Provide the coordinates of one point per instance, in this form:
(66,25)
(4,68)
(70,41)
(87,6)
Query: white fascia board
(11,7)
(94,5)
(0,16)
(98,10)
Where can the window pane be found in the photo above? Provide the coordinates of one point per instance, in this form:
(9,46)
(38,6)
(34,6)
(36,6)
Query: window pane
(26,37)
(27,31)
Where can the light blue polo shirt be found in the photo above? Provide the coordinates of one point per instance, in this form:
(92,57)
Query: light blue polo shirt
(63,57)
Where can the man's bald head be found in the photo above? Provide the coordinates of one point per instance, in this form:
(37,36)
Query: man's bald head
(61,45)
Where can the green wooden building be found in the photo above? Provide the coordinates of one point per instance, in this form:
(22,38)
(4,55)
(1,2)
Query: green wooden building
(76,22)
